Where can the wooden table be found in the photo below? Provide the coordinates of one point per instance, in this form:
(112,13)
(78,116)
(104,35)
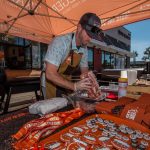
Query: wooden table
(136,90)
(21,85)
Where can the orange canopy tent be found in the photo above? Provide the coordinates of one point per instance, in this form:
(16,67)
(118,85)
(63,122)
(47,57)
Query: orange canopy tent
(41,20)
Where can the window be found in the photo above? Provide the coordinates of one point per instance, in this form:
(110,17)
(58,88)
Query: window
(19,41)
(43,53)
(124,35)
(90,58)
(28,59)
(36,60)
(103,59)
(107,60)
(120,62)
(123,45)
(112,61)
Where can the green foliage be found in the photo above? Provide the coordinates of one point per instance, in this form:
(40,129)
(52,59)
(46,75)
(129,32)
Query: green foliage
(136,53)
(146,54)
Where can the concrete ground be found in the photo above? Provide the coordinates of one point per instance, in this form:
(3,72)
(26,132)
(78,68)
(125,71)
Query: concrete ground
(22,100)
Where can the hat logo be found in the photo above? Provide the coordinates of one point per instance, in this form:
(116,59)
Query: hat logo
(96,24)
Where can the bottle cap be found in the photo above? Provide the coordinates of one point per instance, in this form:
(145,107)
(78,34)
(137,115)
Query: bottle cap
(124,74)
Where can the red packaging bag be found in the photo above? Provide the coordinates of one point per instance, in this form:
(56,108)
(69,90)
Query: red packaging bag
(94,92)
(133,112)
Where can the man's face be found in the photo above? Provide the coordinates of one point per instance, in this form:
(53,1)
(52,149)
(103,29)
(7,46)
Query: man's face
(84,38)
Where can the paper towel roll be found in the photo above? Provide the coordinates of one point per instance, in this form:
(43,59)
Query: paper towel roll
(48,106)
(124,74)
(132,76)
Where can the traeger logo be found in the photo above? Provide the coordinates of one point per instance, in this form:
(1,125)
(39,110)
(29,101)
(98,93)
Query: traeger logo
(23,2)
(96,24)
(60,5)
(131,114)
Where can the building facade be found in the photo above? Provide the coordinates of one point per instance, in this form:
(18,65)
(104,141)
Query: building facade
(112,53)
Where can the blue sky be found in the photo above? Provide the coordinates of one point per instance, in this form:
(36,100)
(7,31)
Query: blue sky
(140,36)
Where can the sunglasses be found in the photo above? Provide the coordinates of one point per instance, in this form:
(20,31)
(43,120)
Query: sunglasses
(96,30)
(93,29)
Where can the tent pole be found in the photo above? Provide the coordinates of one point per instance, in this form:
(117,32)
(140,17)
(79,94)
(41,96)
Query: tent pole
(117,8)
(18,5)
(30,4)
(17,16)
(37,5)
(46,15)
(58,13)
(136,12)
(126,11)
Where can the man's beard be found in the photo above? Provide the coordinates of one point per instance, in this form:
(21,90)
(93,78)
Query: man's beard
(81,40)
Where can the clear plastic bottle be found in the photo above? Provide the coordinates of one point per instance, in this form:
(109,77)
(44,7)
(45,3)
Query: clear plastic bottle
(122,87)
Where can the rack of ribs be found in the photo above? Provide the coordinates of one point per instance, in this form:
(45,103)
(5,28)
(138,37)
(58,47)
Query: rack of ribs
(94,92)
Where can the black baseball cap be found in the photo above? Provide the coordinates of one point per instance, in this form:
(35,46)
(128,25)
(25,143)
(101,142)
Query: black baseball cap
(91,23)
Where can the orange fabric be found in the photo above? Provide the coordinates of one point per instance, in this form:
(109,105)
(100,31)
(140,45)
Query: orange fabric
(36,129)
(133,112)
(52,18)
(144,98)
(83,122)
(106,107)
(137,110)
(147,110)
(146,120)
(125,100)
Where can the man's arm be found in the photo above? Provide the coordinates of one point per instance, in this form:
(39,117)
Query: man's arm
(56,78)
(84,69)
(53,58)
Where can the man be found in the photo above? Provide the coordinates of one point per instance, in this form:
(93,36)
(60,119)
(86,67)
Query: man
(66,53)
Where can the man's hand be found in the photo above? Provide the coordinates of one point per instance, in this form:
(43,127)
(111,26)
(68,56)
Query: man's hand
(56,78)
(82,85)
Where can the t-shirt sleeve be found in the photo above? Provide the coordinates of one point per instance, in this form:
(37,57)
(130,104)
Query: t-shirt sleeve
(55,52)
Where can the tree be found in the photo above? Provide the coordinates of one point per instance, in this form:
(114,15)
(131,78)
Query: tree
(146,54)
(135,54)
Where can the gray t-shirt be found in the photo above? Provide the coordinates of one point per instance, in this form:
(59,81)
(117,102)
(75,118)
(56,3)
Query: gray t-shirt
(59,49)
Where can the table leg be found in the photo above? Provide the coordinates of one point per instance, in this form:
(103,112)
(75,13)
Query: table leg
(7,101)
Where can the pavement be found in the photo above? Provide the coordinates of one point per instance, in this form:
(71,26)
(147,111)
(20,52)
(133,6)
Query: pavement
(22,99)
